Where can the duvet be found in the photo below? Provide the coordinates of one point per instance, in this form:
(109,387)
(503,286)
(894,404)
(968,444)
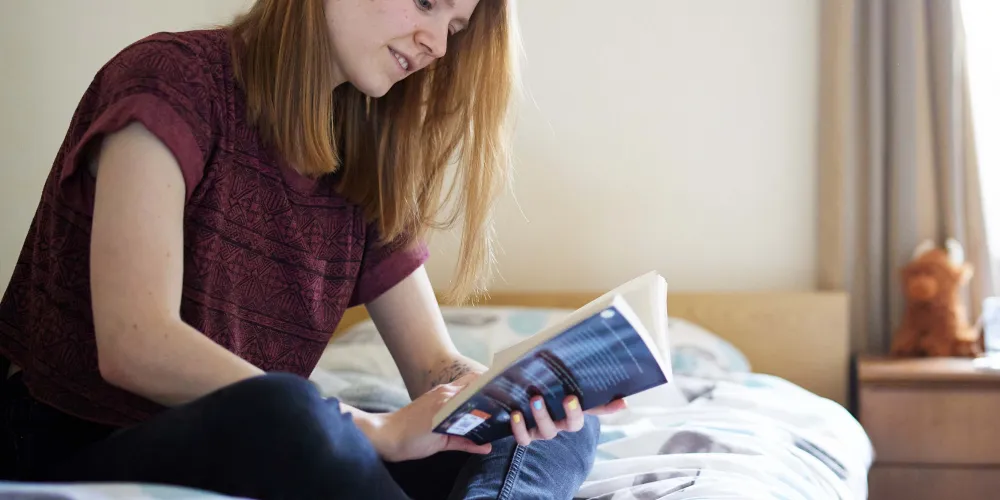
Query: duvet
(718,431)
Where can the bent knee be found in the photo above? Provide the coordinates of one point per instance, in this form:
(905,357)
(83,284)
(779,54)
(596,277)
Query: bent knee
(582,443)
(276,384)
(590,435)
(283,410)
(563,463)
(271,399)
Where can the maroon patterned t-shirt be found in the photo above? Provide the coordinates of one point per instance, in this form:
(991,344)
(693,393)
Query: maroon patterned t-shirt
(271,259)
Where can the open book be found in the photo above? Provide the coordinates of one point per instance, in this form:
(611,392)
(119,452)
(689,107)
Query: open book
(611,348)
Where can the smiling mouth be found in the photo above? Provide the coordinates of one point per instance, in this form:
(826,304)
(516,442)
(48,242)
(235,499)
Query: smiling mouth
(401,59)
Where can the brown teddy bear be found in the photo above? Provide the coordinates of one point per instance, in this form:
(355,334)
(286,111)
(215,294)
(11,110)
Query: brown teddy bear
(935,322)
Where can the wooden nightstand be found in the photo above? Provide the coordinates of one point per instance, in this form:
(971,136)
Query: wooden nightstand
(935,426)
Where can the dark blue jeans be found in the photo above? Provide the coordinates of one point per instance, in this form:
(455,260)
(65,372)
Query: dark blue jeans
(276,437)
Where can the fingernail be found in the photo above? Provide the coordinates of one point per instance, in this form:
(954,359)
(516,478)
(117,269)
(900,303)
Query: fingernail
(516,418)
(573,403)
(537,404)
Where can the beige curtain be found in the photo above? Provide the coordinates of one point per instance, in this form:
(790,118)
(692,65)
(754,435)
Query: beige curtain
(897,162)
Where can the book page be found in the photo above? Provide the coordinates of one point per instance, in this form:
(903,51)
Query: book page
(649,302)
(646,296)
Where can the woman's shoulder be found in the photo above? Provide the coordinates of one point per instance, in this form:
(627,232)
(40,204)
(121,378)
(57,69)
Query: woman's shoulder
(190,57)
(196,45)
(175,84)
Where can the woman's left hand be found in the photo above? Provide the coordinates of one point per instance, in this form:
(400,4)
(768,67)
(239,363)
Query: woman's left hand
(546,428)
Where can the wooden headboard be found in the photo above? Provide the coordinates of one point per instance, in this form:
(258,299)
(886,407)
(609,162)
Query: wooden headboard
(802,337)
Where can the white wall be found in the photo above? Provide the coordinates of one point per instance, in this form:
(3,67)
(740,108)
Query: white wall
(656,102)
(49,52)
(663,104)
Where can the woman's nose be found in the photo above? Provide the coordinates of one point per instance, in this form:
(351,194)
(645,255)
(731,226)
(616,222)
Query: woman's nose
(433,42)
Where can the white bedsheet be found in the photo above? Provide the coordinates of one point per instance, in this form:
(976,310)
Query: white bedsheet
(736,434)
(749,436)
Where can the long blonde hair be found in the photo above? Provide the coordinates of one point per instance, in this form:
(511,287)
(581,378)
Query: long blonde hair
(393,153)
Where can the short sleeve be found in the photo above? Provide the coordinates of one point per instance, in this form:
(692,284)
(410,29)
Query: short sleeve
(383,266)
(162,82)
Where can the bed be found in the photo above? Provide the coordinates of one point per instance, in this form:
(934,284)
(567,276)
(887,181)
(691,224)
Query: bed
(756,408)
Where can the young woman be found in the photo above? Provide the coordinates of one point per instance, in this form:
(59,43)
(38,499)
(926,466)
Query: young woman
(221,197)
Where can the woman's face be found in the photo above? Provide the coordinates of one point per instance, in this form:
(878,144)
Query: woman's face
(377,43)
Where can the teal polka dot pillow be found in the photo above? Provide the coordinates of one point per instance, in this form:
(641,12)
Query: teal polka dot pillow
(697,351)
(480,332)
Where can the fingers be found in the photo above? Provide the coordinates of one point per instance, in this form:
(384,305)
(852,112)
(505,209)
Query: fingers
(519,429)
(545,428)
(441,394)
(456,443)
(612,407)
(574,415)
(464,380)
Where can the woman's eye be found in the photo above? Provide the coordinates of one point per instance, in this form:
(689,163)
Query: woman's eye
(424,4)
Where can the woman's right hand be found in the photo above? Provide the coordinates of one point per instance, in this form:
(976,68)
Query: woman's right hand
(407,434)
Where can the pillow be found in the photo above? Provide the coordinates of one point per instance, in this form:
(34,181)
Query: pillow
(696,351)
(479,332)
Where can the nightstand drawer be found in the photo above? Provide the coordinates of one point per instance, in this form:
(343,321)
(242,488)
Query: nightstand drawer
(954,425)
(920,483)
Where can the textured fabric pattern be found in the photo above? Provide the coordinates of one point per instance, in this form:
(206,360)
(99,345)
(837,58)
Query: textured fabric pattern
(271,258)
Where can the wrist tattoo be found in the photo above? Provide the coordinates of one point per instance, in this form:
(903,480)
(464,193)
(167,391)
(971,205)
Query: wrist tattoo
(455,370)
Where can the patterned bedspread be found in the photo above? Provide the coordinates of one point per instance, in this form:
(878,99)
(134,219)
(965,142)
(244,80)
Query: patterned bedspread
(719,431)
(747,436)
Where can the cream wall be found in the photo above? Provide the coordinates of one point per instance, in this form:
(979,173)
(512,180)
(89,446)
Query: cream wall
(49,51)
(643,113)
(656,102)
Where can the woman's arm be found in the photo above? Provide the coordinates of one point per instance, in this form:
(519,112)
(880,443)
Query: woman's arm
(143,345)
(409,319)
(136,269)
